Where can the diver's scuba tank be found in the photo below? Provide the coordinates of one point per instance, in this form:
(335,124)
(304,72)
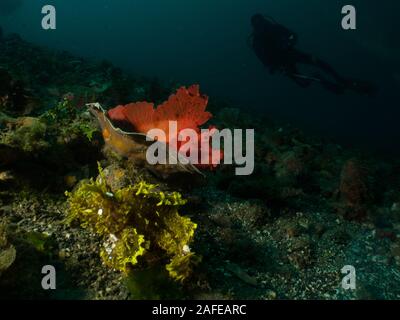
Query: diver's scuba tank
(288,37)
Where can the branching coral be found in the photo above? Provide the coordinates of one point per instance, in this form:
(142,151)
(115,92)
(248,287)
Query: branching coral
(140,225)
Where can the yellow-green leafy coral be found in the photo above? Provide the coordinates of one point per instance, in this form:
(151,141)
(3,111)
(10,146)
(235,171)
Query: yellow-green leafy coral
(140,225)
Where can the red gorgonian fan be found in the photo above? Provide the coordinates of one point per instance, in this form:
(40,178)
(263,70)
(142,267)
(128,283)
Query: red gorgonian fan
(187,108)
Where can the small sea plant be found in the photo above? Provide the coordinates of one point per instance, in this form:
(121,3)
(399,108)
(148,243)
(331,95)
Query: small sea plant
(62,110)
(7,251)
(68,120)
(140,225)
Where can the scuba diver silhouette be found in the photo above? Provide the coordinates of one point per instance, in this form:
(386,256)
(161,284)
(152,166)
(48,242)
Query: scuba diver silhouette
(274,45)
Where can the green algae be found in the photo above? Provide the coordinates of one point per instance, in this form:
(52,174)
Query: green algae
(140,225)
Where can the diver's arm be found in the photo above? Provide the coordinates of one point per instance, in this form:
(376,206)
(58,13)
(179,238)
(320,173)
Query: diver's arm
(287,38)
(293,39)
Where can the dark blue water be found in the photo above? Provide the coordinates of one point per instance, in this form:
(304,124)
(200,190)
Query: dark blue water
(205,42)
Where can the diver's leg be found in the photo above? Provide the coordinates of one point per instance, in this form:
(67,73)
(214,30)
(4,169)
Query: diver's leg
(337,85)
(309,59)
(340,83)
(304,83)
(293,74)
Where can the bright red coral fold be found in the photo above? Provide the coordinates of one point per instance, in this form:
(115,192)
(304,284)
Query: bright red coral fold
(187,107)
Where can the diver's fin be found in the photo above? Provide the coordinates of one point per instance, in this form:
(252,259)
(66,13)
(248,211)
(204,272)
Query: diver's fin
(362,87)
(335,87)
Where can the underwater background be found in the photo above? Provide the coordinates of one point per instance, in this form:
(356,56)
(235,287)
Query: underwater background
(205,42)
(76,193)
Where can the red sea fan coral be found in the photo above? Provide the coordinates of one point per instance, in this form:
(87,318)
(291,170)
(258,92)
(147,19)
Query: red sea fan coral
(187,108)
(140,115)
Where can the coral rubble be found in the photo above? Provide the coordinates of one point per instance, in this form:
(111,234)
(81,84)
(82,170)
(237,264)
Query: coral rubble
(284,232)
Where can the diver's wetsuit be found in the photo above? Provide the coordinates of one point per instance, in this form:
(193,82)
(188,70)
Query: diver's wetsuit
(274,45)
